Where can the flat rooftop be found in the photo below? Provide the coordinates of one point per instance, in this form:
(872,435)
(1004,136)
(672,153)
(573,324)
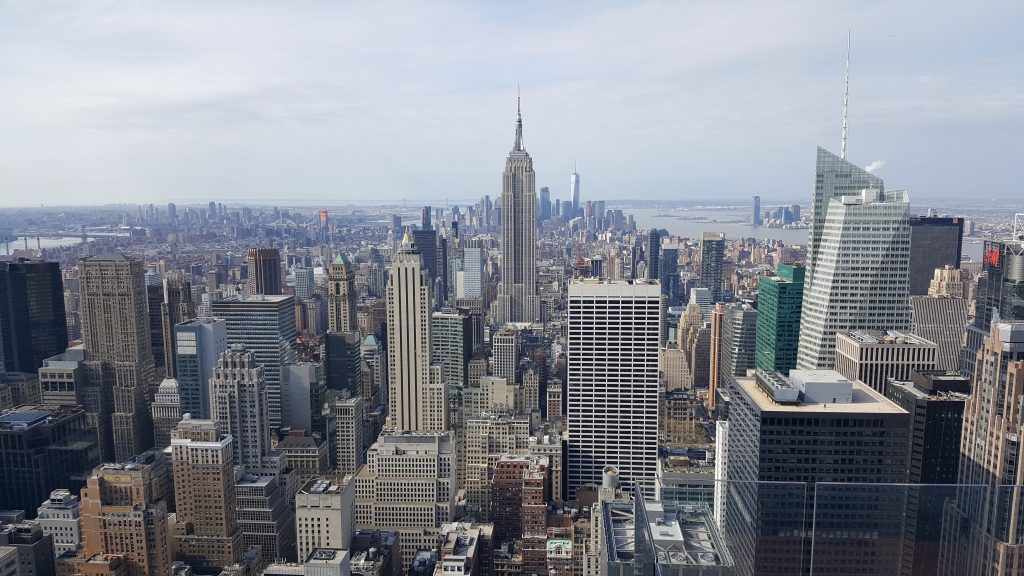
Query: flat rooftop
(686,535)
(864,400)
(884,338)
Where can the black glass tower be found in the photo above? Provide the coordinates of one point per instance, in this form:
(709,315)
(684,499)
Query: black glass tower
(33,325)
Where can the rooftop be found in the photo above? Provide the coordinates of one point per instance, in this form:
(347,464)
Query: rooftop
(325,485)
(862,399)
(884,338)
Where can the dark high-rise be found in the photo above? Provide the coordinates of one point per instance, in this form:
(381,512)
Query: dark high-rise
(935,242)
(544,204)
(264,271)
(712,253)
(42,449)
(935,401)
(426,243)
(653,253)
(756,220)
(33,325)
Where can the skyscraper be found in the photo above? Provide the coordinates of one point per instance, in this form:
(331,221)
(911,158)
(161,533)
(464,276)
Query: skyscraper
(1000,292)
(198,343)
(717,336)
(305,286)
(874,357)
(653,253)
(779,299)
(341,295)
(981,526)
(860,279)
(784,431)
(739,341)
(265,325)
(426,244)
(238,399)
(264,271)
(452,344)
(177,307)
(668,274)
(409,308)
(756,219)
(942,320)
(33,326)
(935,242)
(205,530)
(544,204)
(613,335)
(517,297)
(122,513)
(712,253)
(574,195)
(834,178)
(115,329)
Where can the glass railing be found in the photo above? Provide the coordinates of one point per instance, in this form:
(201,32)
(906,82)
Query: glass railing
(783,529)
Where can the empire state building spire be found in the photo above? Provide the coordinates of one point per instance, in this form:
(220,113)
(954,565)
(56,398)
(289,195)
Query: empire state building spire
(519,126)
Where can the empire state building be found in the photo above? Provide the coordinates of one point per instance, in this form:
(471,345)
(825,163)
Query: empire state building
(517,295)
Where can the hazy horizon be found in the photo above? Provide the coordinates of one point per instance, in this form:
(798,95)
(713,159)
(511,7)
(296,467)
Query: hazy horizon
(117,102)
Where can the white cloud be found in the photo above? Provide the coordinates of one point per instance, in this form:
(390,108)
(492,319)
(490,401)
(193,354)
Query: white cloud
(875,166)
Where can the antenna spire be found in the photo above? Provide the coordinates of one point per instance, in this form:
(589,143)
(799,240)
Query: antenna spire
(846,96)
(519,123)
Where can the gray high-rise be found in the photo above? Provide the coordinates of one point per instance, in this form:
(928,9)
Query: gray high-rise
(517,298)
(935,242)
(265,324)
(712,253)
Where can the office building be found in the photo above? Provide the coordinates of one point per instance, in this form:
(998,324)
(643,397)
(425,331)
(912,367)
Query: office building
(264,515)
(874,357)
(165,411)
(409,308)
(835,177)
(1000,292)
(205,529)
(349,440)
(779,299)
(198,344)
(518,497)
(652,254)
(464,548)
(947,282)
(980,522)
(668,274)
(63,382)
(115,330)
(738,344)
(860,281)
(305,286)
(544,204)
(613,335)
(341,295)
(59,516)
(325,514)
(426,245)
(43,449)
(573,207)
(264,271)
(176,307)
(517,294)
(942,320)
(452,344)
(407,486)
(935,401)
(124,514)
(505,355)
(718,322)
(33,324)
(712,253)
(756,218)
(265,325)
(935,242)
(33,547)
(488,438)
(376,383)
(238,403)
(469,282)
(798,429)
(342,361)
(306,392)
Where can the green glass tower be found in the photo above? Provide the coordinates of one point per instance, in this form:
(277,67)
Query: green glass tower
(778,319)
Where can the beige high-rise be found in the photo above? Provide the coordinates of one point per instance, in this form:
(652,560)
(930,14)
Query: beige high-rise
(115,328)
(122,513)
(205,531)
(341,295)
(412,396)
(238,403)
(517,294)
(177,307)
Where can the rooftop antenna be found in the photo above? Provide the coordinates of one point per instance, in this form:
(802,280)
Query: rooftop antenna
(846,96)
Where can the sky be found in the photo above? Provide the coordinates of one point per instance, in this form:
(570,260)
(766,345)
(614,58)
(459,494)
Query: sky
(337,102)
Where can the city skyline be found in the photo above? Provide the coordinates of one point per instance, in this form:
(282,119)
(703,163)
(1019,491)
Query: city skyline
(162,104)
